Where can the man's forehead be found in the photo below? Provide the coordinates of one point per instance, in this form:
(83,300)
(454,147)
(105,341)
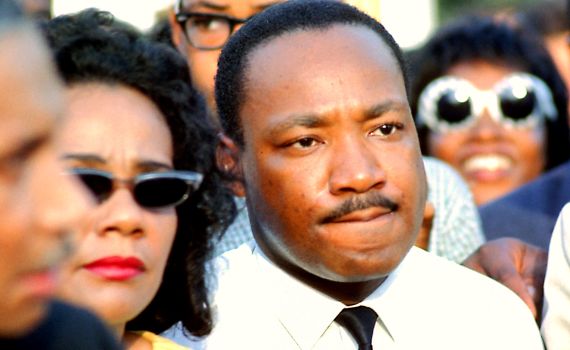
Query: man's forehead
(344,69)
(35,83)
(335,43)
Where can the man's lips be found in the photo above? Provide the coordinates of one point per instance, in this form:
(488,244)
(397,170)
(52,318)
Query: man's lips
(40,283)
(363,215)
(116,268)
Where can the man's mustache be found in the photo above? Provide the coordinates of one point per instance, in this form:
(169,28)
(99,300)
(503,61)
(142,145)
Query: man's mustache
(362,202)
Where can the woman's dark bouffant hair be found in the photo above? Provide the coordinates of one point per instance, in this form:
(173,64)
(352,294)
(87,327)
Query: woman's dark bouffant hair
(92,47)
(484,38)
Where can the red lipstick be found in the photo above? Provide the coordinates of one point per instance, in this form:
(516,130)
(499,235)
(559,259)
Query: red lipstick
(116,268)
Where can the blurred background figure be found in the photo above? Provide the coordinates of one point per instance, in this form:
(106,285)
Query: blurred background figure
(530,213)
(137,135)
(200,30)
(38,204)
(37,9)
(555,327)
(548,19)
(490,102)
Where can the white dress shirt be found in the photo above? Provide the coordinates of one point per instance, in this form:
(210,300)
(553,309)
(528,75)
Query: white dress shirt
(426,303)
(556,310)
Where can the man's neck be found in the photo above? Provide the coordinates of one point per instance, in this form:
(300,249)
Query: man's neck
(349,293)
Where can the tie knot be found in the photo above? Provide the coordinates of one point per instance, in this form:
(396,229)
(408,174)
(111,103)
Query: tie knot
(359,322)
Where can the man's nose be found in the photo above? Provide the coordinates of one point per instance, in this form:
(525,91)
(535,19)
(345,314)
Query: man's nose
(356,167)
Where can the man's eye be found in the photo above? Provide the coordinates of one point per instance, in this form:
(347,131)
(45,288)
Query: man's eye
(17,160)
(386,129)
(303,143)
(27,150)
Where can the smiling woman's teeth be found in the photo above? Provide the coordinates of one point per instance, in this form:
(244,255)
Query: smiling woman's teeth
(487,162)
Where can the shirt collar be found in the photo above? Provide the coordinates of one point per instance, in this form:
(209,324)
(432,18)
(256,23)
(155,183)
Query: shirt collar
(398,298)
(293,301)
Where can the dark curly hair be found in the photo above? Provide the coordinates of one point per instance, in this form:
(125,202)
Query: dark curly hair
(479,37)
(92,47)
(274,22)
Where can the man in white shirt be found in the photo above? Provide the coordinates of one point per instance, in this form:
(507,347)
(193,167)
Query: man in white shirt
(200,29)
(314,95)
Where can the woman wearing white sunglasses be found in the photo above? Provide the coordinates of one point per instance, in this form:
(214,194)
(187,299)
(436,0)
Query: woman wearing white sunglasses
(137,135)
(489,101)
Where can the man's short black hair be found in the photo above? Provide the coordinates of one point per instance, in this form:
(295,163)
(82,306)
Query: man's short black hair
(274,22)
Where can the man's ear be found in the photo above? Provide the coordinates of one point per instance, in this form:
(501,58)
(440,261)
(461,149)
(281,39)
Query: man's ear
(176,33)
(229,161)
(422,240)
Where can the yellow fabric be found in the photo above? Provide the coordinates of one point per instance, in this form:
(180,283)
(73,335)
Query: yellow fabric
(161,343)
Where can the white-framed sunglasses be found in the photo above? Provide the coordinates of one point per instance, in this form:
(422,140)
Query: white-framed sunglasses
(520,100)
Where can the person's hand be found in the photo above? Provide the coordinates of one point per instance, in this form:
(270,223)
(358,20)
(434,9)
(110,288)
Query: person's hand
(516,264)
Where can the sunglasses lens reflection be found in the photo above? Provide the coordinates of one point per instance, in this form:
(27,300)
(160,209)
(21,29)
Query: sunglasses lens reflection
(516,105)
(451,109)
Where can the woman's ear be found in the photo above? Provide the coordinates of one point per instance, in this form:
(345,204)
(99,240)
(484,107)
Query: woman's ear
(229,162)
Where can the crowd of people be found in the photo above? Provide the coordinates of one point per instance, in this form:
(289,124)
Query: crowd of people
(256,174)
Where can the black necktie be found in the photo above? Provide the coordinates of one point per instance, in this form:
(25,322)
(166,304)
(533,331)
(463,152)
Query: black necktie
(359,321)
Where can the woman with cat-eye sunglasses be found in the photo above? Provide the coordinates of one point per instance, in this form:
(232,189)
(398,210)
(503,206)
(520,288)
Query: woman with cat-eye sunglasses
(137,136)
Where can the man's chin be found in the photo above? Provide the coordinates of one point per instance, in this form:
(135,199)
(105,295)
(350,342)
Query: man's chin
(353,272)
(23,320)
(358,268)
(358,275)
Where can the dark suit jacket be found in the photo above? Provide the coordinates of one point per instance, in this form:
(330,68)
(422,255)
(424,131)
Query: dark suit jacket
(66,328)
(530,212)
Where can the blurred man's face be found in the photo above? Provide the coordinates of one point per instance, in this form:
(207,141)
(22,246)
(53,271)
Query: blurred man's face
(37,201)
(203,63)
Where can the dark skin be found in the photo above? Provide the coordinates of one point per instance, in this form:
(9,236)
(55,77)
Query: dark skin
(422,241)
(348,293)
(518,265)
(351,293)
(331,165)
